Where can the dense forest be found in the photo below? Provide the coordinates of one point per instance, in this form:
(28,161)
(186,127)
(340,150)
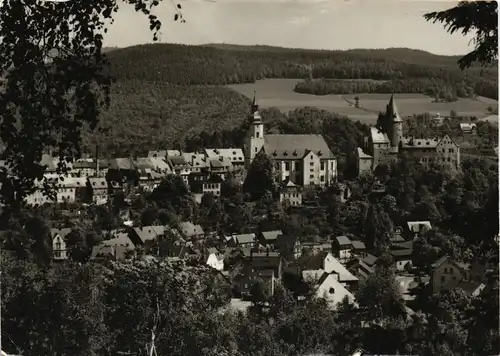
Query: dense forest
(221,65)
(433,87)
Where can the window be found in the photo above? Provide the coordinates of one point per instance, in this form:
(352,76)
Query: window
(323,166)
(322,178)
(451,150)
(58,245)
(331,290)
(287,166)
(311,164)
(311,176)
(255,149)
(443,279)
(257,134)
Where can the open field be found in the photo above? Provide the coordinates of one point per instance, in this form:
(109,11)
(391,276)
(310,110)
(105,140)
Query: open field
(279,93)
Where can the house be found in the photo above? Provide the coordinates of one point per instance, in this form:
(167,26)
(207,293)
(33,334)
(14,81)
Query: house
(180,167)
(358,248)
(364,162)
(468,128)
(448,274)
(342,247)
(160,165)
(303,159)
(147,235)
(220,166)
(244,240)
(343,192)
(148,179)
(98,190)
(268,238)
(191,231)
(415,228)
(329,288)
(288,246)
(203,183)
(59,251)
(268,260)
(402,258)
(290,194)
(234,155)
(198,162)
(119,247)
(360,269)
(122,169)
(397,235)
(84,167)
(215,259)
(247,276)
(313,267)
(157,154)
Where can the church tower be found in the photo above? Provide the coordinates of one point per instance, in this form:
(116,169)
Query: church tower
(394,123)
(255,138)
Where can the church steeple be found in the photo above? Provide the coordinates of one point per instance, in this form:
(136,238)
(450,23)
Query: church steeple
(254,110)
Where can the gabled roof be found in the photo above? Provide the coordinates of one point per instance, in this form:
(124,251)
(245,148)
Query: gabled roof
(235,154)
(295,147)
(362,154)
(287,184)
(343,240)
(378,136)
(98,182)
(149,232)
(343,273)
(159,154)
(358,245)
(332,290)
(401,253)
(461,265)
(61,232)
(143,163)
(402,245)
(416,226)
(419,143)
(177,161)
(189,229)
(271,235)
(122,164)
(369,260)
(265,260)
(244,238)
(312,262)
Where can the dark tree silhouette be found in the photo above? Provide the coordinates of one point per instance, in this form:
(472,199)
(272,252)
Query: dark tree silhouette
(476,16)
(53,86)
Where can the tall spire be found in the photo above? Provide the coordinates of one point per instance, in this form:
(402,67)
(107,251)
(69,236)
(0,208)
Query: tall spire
(392,110)
(254,107)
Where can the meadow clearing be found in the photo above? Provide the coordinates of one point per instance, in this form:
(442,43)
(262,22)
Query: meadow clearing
(279,93)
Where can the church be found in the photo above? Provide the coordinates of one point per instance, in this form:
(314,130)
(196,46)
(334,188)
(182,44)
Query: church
(302,159)
(386,142)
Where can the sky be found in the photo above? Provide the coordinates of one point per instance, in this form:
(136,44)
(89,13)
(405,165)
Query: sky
(317,24)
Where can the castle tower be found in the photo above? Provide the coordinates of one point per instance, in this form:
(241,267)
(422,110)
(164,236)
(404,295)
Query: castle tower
(394,123)
(255,139)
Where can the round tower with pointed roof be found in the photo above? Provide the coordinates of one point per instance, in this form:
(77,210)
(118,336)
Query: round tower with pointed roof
(255,139)
(394,123)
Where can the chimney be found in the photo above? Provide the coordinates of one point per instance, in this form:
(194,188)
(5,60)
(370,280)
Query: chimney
(97,160)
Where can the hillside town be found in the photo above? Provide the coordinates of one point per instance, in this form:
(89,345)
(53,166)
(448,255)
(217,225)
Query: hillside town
(334,265)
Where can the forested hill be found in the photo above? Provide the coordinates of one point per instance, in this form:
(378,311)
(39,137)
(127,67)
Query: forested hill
(207,65)
(406,55)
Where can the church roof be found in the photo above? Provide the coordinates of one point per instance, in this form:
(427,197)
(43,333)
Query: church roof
(295,147)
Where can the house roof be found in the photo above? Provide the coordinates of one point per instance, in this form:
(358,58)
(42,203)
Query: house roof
(160,154)
(370,260)
(358,245)
(378,136)
(177,161)
(118,238)
(287,184)
(61,232)
(295,147)
(419,143)
(149,232)
(461,265)
(119,252)
(401,253)
(344,274)
(467,126)
(402,245)
(72,182)
(362,154)
(265,260)
(472,288)
(122,163)
(189,229)
(312,262)
(197,160)
(244,238)
(143,163)
(416,226)
(332,290)
(84,163)
(271,235)
(343,240)
(160,164)
(49,162)
(234,154)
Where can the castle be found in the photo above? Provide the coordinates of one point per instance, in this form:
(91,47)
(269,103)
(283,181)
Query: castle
(302,159)
(386,142)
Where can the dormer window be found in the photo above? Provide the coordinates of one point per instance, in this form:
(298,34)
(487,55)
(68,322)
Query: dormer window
(295,152)
(285,153)
(320,153)
(275,153)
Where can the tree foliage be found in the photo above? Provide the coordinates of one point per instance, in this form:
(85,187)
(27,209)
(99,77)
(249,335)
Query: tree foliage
(479,17)
(53,83)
